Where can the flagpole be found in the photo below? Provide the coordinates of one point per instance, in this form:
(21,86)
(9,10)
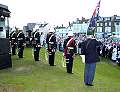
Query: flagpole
(93,20)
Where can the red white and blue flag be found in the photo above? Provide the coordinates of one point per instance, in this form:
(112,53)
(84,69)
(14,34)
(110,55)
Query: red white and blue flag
(95,17)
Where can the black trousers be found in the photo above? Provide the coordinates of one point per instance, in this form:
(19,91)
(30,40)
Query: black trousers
(20,51)
(13,49)
(51,58)
(36,53)
(69,63)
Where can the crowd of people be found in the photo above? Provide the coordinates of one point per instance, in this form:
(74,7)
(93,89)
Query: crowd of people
(71,45)
(109,48)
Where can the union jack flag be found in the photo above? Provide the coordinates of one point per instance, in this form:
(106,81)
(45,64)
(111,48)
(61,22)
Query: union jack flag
(95,17)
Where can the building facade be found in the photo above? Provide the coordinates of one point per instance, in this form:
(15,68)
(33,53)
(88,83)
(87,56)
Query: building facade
(28,29)
(61,31)
(108,26)
(78,27)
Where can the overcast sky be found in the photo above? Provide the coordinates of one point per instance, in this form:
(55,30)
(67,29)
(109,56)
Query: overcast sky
(56,12)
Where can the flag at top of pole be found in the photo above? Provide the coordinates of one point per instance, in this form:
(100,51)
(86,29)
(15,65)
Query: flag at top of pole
(95,17)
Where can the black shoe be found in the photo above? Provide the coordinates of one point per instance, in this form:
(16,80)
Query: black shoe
(88,84)
(70,72)
(52,65)
(20,57)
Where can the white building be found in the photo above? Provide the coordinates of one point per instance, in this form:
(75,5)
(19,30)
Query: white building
(61,31)
(78,27)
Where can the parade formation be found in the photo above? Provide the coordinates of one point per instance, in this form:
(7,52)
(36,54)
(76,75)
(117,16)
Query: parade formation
(89,47)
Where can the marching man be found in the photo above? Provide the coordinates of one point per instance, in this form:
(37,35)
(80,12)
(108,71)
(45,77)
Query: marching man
(69,51)
(36,44)
(51,46)
(21,43)
(13,42)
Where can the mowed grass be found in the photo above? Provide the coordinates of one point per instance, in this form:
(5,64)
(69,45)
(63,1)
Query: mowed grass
(26,75)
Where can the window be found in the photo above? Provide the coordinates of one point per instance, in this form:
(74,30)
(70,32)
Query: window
(107,29)
(107,18)
(117,23)
(97,24)
(1,28)
(105,24)
(109,24)
(101,24)
(99,29)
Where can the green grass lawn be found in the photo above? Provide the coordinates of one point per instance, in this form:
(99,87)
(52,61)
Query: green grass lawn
(26,75)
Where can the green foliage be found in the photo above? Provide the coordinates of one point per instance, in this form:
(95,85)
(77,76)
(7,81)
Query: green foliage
(26,75)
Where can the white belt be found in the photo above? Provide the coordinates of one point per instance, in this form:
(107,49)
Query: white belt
(20,38)
(70,48)
(51,42)
(36,38)
(13,38)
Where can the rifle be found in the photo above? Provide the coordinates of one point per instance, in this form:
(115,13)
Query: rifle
(63,61)
(46,53)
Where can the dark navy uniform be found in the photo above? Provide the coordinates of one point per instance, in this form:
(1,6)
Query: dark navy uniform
(89,49)
(69,51)
(36,45)
(51,47)
(13,42)
(21,44)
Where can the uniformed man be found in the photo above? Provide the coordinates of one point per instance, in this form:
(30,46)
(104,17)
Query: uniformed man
(36,44)
(69,51)
(21,43)
(13,42)
(89,49)
(51,46)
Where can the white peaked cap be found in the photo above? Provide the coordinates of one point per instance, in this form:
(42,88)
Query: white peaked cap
(20,29)
(13,29)
(34,29)
(51,30)
(70,33)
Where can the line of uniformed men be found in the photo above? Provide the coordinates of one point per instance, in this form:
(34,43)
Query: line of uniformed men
(18,40)
(89,46)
